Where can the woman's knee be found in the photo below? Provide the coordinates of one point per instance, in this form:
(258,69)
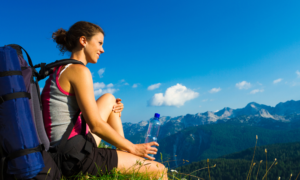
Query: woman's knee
(161,168)
(108,97)
(106,100)
(158,170)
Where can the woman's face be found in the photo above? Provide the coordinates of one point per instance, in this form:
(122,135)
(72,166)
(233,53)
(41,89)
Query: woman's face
(94,47)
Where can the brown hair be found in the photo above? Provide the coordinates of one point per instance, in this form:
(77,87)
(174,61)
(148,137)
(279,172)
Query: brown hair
(68,40)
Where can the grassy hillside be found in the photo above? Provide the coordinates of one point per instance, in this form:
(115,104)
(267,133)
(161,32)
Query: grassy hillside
(284,151)
(236,166)
(215,140)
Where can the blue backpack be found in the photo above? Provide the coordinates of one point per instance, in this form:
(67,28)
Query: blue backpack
(23,139)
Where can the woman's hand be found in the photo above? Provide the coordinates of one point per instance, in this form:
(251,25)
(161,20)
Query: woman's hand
(143,150)
(118,108)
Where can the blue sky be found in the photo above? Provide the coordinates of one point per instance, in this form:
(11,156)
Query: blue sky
(174,57)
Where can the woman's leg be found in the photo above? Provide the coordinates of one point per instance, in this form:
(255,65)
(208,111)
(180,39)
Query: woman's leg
(105,105)
(127,163)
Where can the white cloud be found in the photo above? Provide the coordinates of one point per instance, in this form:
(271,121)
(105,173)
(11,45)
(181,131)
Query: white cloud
(277,81)
(101,88)
(243,85)
(204,100)
(109,90)
(135,86)
(256,91)
(98,92)
(215,90)
(295,83)
(298,73)
(109,85)
(154,86)
(98,85)
(100,72)
(175,95)
(120,83)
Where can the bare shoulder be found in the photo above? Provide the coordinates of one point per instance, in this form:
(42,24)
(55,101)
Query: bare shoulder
(79,68)
(79,72)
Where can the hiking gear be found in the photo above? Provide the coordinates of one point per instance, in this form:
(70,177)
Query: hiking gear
(18,137)
(49,172)
(33,125)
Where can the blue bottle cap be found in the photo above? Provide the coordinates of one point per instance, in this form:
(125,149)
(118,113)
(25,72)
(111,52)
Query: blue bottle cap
(156,115)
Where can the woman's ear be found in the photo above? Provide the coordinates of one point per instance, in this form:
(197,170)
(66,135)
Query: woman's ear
(82,41)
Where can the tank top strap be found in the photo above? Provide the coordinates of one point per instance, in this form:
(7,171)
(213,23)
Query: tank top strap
(63,69)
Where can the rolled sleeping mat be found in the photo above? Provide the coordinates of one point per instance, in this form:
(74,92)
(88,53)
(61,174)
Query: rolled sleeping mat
(17,130)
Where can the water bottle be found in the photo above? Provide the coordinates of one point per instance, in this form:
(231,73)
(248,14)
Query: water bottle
(153,130)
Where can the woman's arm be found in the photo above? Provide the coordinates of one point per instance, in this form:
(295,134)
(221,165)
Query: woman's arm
(81,82)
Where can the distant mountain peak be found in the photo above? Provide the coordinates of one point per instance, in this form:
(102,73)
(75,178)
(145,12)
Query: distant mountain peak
(143,123)
(252,105)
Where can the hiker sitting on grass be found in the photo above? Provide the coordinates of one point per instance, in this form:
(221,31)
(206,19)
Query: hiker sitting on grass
(70,88)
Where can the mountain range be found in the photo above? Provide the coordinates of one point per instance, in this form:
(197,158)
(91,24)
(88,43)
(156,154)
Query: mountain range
(214,134)
(281,113)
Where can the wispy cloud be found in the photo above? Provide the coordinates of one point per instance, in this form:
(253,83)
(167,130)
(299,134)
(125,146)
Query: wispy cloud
(100,72)
(204,100)
(100,88)
(109,90)
(122,82)
(294,84)
(175,95)
(298,73)
(98,85)
(98,92)
(243,85)
(277,81)
(110,85)
(134,85)
(154,86)
(215,90)
(256,91)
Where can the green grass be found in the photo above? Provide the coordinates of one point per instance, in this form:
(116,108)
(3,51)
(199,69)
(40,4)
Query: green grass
(211,169)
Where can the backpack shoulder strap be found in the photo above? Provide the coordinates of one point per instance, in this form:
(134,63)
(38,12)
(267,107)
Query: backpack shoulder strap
(46,69)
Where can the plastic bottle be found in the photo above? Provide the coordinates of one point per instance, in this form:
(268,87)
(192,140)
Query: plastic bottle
(153,130)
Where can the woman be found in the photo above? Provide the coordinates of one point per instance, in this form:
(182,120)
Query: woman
(70,88)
